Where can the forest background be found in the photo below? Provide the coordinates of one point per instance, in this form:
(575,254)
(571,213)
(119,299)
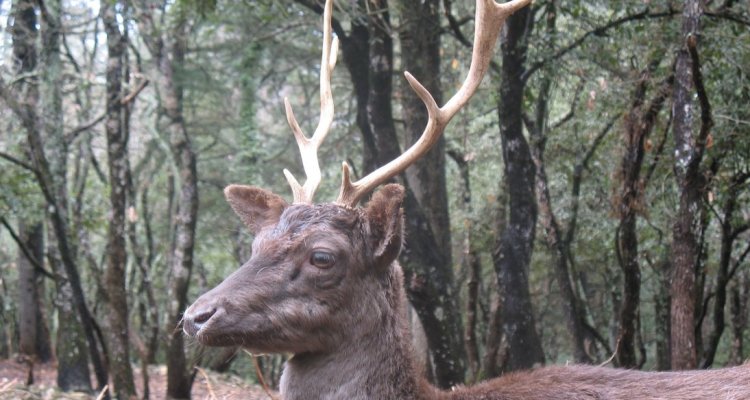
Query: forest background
(590,203)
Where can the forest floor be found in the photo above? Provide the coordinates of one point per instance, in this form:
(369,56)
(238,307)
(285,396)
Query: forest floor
(208,385)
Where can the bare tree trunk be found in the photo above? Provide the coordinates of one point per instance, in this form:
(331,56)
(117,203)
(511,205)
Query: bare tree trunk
(688,157)
(73,374)
(472,267)
(516,244)
(168,45)
(491,365)
(34,336)
(33,332)
(661,313)
(420,43)
(725,271)
(740,300)
(50,159)
(118,344)
(185,218)
(639,124)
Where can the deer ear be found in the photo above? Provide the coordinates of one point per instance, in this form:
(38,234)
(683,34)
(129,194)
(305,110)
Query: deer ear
(256,207)
(386,221)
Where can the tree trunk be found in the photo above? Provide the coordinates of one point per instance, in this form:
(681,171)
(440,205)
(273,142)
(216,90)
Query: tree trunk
(571,304)
(491,364)
(724,274)
(740,300)
(33,333)
(431,278)
(34,336)
(639,124)
(420,43)
(686,227)
(73,374)
(118,345)
(471,267)
(167,45)
(54,180)
(513,253)
(661,313)
(179,377)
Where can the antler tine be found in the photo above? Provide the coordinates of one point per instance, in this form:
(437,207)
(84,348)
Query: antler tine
(489,19)
(309,147)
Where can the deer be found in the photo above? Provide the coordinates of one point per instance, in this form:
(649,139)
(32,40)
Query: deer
(323,282)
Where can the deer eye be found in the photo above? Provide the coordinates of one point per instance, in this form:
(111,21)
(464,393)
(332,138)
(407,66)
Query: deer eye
(322,259)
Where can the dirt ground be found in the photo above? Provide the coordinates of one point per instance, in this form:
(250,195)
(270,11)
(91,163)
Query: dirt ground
(208,385)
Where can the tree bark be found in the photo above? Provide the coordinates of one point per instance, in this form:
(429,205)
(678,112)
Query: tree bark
(685,232)
(34,336)
(639,124)
(118,345)
(513,254)
(420,43)
(555,237)
(725,273)
(740,300)
(168,50)
(185,217)
(33,332)
(430,276)
(472,267)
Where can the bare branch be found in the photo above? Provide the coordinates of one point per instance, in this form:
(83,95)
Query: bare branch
(26,252)
(73,134)
(644,15)
(18,162)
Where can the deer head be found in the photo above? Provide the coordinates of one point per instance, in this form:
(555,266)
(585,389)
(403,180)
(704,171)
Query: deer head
(320,274)
(312,269)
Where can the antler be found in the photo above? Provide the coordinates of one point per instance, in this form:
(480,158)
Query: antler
(309,147)
(489,19)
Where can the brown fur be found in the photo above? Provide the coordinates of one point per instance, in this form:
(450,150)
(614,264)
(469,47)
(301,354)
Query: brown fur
(346,324)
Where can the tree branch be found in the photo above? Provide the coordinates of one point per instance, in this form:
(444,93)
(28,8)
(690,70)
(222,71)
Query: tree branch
(72,135)
(36,263)
(707,121)
(644,15)
(18,162)
(455,26)
(729,17)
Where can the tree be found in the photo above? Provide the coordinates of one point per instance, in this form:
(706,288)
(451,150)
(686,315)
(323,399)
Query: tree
(639,123)
(118,344)
(431,287)
(34,339)
(512,255)
(168,46)
(689,151)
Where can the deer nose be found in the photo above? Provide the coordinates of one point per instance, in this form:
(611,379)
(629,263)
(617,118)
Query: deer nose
(194,320)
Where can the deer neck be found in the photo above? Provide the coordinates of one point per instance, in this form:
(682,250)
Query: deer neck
(376,363)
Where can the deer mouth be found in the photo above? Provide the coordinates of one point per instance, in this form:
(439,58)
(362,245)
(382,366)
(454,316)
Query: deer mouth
(216,327)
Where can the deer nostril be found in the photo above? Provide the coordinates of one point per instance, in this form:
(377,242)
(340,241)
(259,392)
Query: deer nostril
(204,316)
(193,323)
